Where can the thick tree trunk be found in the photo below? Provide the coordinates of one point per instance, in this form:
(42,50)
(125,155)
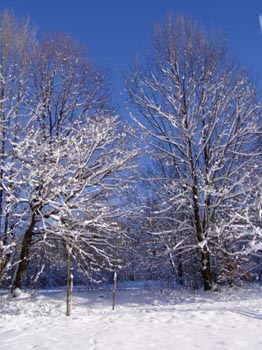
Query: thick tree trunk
(206,270)
(24,256)
(205,256)
(180,273)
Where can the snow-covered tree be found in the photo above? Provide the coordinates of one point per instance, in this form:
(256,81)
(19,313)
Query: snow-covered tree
(17,38)
(70,159)
(198,113)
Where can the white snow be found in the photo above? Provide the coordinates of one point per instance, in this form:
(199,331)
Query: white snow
(151,318)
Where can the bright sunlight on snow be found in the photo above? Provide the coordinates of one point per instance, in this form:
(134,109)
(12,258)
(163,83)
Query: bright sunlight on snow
(146,318)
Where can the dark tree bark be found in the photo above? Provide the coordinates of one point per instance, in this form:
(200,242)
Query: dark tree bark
(24,255)
(69,287)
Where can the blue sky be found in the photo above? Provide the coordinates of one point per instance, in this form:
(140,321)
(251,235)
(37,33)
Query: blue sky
(115,30)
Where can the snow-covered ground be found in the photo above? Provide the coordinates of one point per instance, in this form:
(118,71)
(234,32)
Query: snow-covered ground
(144,318)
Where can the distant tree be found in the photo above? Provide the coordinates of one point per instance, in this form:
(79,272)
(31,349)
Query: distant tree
(198,114)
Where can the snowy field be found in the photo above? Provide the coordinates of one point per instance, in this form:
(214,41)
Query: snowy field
(150,318)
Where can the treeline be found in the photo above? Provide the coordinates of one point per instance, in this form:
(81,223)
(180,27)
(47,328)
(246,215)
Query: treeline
(175,193)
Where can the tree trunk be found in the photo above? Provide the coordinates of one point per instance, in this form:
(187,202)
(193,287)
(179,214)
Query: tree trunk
(205,256)
(69,289)
(180,269)
(206,270)
(24,256)
(1,272)
(114,291)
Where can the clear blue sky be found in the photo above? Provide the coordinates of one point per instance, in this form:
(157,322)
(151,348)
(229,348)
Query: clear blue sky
(115,30)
